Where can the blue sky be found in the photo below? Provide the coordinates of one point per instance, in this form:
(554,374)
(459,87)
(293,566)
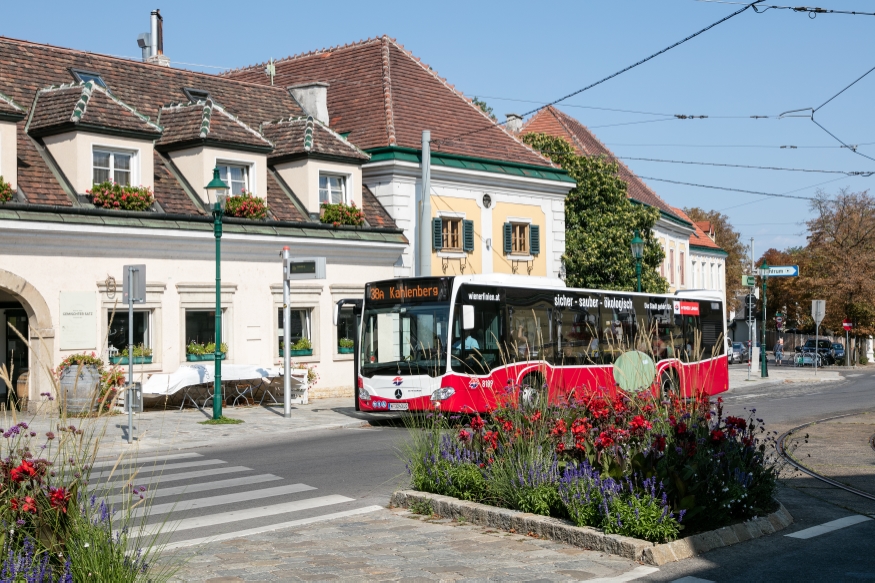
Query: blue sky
(517,55)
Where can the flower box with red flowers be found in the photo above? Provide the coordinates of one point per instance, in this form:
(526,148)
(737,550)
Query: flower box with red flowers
(6,192)
(114,196)
(246,206)
(341,214)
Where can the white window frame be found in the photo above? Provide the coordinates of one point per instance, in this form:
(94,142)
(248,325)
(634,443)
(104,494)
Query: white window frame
(113,151)
(122,315)
(345,185)
(248,174)
(307,331)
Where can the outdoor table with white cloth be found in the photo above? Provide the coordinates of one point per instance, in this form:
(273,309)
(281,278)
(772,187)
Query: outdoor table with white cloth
(239,382)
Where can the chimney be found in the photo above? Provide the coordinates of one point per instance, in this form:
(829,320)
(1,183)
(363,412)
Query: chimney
(313,99)
(514,123)
(154,42)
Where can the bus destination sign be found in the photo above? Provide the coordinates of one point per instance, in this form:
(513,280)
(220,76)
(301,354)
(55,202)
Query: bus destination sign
(399,292)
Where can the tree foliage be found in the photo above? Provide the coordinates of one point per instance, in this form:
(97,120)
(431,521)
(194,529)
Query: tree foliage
(730,241)
(600,222)
(484,107)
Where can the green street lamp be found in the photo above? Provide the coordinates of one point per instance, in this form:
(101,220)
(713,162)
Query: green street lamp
(638,253)
(764,368)
(217,193)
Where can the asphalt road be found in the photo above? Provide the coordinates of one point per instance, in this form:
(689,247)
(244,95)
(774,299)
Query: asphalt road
(364,466)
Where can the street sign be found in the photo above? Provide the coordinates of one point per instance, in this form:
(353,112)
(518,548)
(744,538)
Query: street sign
(847,324)
(779,319)
(134,284)
(781,271)
(749,280)
(818,310)
(303,268)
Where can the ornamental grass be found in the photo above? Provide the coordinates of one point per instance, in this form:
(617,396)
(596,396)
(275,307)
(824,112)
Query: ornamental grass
(634,464)
(60,521)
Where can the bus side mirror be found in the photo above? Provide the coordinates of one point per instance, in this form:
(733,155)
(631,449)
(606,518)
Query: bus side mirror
(468,317)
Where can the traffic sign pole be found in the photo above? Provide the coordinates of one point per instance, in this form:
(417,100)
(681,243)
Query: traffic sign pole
(764,369)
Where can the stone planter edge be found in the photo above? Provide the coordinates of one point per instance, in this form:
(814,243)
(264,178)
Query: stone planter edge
(590,538)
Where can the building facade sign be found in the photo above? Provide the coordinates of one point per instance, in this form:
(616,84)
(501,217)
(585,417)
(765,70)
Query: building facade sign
(78,320)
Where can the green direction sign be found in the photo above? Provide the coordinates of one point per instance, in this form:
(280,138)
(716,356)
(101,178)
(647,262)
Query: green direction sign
(749,280)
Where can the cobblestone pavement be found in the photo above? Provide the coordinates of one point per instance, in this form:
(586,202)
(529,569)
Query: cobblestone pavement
(394,545)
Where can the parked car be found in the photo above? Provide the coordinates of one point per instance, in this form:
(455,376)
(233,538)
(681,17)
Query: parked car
(738,353)
(838,351)
(819,350)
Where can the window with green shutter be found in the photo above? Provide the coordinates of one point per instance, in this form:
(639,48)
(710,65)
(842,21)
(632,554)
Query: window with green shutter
(508,238)
(468,236)
(535,239)
(437,233)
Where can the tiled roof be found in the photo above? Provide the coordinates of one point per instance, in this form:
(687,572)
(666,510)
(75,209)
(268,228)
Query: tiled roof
(375,214)
(384,96)
(27,67)
(9,109)
(85,105)
(551,121)
(699,238)
(206,122)
(280,204)
(168,192)
(305,135)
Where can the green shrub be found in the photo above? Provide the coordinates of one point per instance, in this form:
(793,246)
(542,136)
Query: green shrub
(345,343)
(302,344)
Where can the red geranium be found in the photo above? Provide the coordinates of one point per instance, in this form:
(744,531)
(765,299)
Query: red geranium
(559,428)
(717,436)
(639,424)
(29,505)
(477,423)
(464,435)
(736,422)
(604,440)
(659,443)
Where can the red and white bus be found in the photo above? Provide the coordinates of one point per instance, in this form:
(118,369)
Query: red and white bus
(460,342)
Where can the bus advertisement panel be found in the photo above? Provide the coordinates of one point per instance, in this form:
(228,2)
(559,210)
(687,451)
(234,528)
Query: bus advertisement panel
(462,342)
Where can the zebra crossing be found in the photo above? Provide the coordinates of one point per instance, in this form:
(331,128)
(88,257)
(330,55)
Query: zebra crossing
(208,500)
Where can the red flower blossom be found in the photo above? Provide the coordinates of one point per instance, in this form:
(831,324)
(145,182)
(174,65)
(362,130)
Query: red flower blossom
(23,472)
(639,424)
(717,436)
(736,422)
(681,428)
(604,440)
(560,447)
(559,428)
(14,503)
(672,421)
(536,416)
(464,435)
(659,443)
(59,499)
(477,423)
(507,425)
(491,438)
(29,505)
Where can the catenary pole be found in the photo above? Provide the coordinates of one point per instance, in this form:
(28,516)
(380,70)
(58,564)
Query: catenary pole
(129,397)
(287,349)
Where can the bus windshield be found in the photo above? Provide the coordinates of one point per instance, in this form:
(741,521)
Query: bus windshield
(406,339)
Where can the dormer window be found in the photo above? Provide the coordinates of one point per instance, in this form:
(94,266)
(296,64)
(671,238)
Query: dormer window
(332,189)
(235,176)
(86,76)
(113,166)
(195,95)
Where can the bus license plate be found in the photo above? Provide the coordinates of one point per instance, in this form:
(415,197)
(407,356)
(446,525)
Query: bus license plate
(398,406)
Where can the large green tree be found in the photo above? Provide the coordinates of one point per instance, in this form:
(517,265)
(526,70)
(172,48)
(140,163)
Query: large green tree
(600,222)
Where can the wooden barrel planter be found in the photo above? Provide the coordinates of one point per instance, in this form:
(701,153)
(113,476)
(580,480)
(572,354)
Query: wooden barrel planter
(80,389)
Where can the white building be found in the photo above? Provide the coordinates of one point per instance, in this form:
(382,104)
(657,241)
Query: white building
(69,119)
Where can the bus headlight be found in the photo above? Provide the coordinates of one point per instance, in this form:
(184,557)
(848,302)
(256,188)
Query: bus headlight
(442,394)
(364,395)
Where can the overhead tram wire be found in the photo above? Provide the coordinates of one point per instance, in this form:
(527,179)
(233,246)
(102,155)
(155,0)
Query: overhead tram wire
(864,174)
(437,143)
(726,188)
(762,197)
(759,146)
(812,11)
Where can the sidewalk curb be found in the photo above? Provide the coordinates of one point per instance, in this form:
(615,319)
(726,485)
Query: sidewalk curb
(589,538)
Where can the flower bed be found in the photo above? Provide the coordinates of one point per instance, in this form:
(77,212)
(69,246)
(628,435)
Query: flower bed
(113,196)
(6,192)
(628,465)
(341,214)
(246,206)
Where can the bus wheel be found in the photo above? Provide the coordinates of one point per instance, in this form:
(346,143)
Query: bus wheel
(668,384)
(531,388)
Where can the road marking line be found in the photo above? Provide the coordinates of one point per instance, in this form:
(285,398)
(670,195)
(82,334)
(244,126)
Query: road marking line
(220,500)
(271,527)
(199,487)
(829,526)
(182,476)
(171,528)
(133,460)
(127,472)
(635,573)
